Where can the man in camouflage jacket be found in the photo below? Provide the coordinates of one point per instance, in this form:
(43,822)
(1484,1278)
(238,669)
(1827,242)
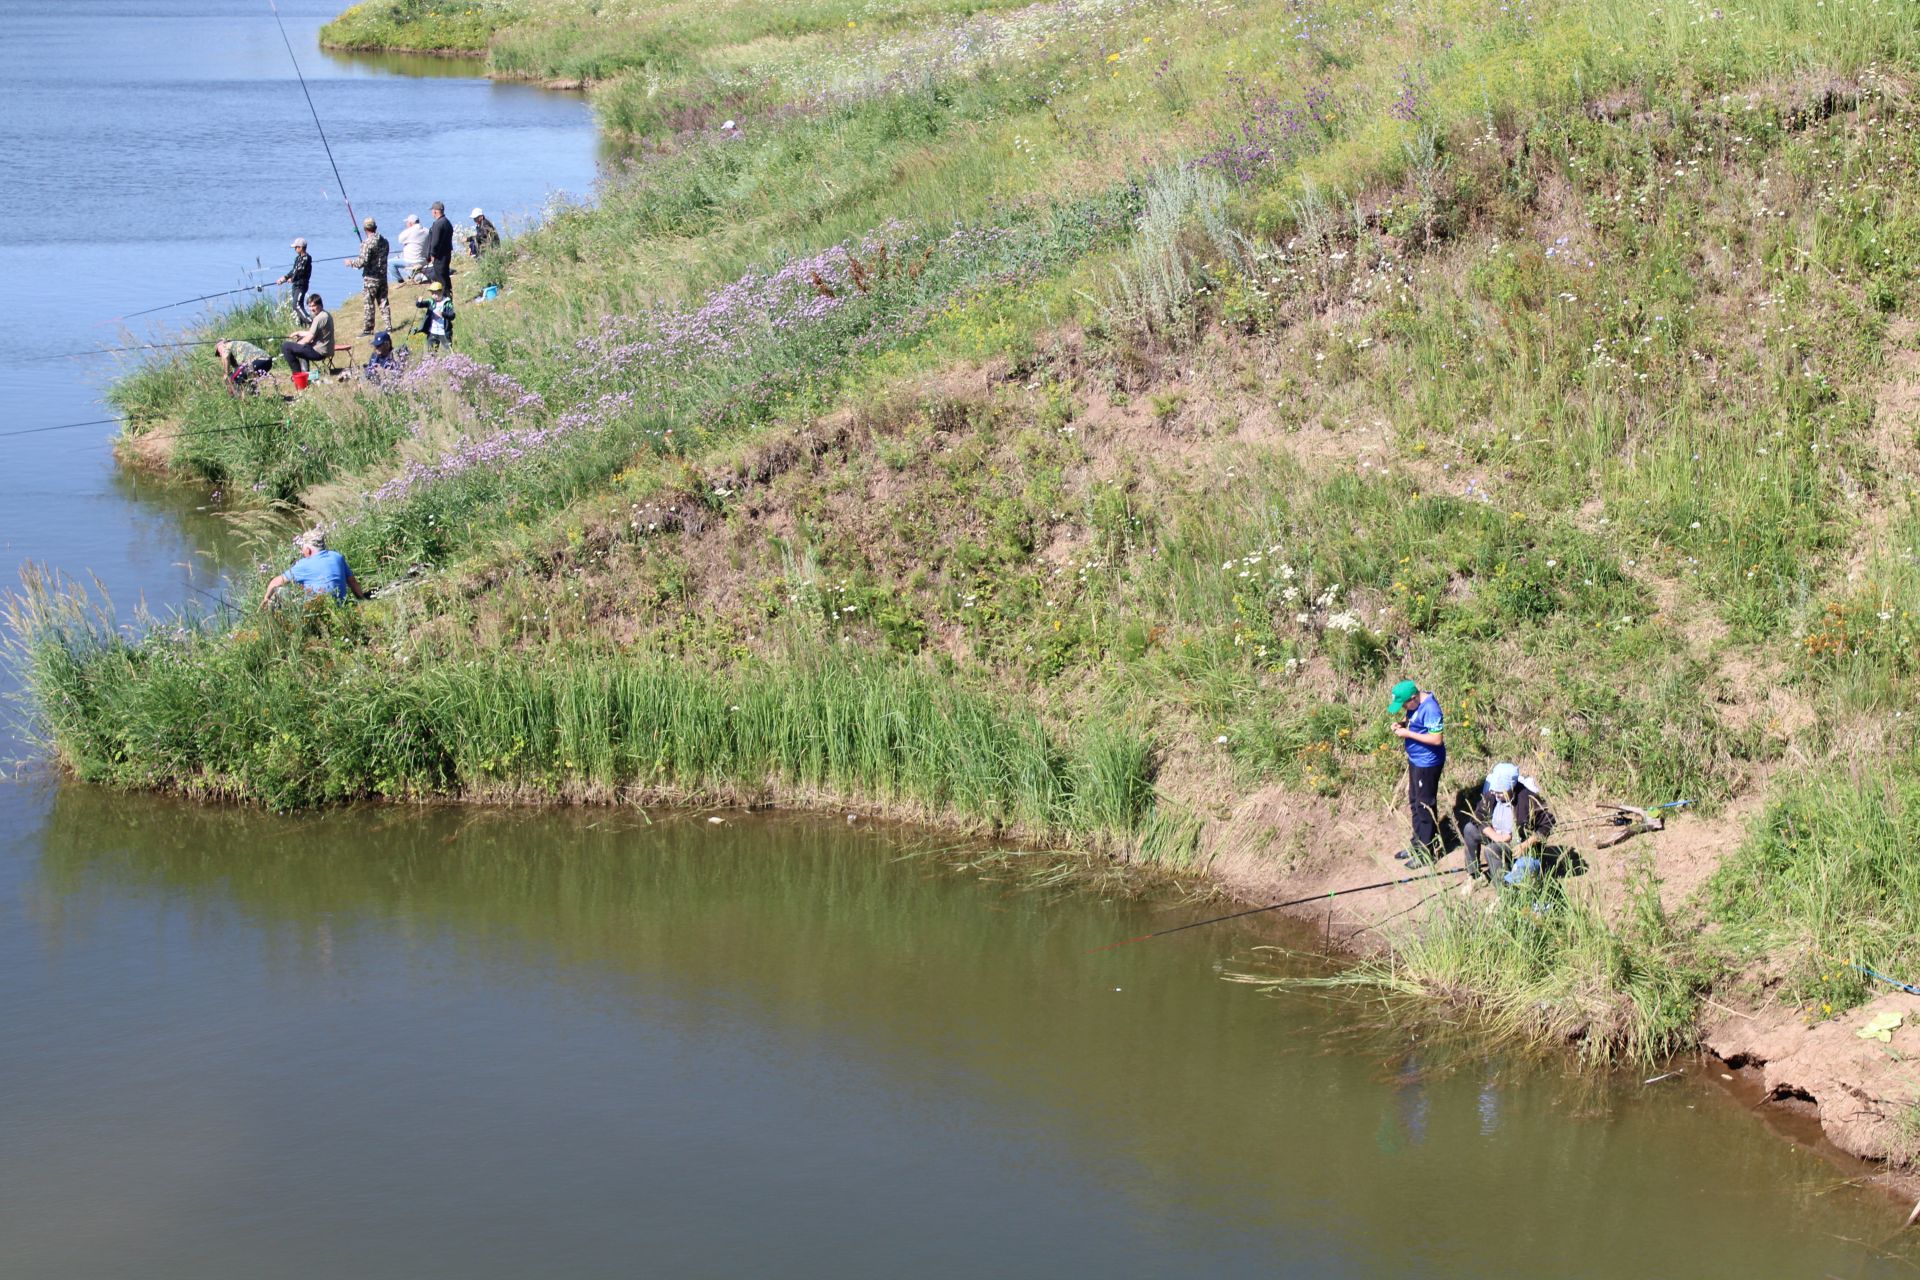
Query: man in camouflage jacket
(372,261)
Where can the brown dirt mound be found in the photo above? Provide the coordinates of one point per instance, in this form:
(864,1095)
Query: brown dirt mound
(1863,1089)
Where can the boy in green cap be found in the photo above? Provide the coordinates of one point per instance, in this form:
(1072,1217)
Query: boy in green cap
(1424,731)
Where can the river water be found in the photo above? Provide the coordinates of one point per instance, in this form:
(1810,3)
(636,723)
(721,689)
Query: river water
(381,1043)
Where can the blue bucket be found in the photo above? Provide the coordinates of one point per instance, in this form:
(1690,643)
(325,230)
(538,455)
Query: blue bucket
(491,292)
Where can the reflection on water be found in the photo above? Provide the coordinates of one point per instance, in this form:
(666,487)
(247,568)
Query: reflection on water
(785,1046)
(416,65)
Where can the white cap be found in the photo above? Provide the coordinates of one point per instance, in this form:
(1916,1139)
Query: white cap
(474,214)
(299,242)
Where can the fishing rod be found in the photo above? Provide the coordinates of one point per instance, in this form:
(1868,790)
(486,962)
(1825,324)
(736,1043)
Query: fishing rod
(1293,902)
(208,297)
(205,297)
(318,127)
(145,346)
(256,271)
(59,426)
(170,435)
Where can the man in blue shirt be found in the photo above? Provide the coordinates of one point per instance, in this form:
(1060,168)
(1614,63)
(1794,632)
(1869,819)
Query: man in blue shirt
(320,571)
(1424,732)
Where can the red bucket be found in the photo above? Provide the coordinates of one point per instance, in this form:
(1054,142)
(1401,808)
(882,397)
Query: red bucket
(300,380)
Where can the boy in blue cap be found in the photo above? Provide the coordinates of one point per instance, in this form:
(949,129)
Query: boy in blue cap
(1424,731)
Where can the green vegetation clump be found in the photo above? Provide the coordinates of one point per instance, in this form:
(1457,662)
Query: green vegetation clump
(1825,882)
(294,709)
(422,26)
(1177,372)
(1545,965)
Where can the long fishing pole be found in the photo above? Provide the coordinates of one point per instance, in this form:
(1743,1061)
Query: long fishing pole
(187,302)
(145,346)
(59,426)
(208,297)
(288,41)
(169,435)
(1292,902)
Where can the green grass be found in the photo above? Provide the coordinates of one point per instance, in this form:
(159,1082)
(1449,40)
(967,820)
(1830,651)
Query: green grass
(1546,966)
(428,26)
(1534,350)
(1825,881)
(297,708)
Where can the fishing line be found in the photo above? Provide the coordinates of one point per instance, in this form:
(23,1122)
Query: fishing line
(285,39)
(1294,902)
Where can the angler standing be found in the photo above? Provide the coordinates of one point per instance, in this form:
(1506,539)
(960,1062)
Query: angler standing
(297,276)
(1424,731)
(440,248)
(372,261)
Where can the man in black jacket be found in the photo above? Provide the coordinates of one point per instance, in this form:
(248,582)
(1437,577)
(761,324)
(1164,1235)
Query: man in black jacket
(297,276)
(440,248)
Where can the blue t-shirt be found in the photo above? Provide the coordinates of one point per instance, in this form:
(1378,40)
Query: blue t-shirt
(1426,718)
(324,573)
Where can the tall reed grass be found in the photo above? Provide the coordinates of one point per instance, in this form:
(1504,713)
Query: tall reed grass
(298,708)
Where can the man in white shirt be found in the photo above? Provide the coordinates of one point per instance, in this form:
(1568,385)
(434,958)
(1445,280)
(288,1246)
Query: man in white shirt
(413,251)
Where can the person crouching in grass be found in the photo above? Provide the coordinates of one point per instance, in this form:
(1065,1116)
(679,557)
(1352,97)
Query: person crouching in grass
(1424,731)
(320,571)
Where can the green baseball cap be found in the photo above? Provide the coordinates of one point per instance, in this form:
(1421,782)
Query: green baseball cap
(1403,693)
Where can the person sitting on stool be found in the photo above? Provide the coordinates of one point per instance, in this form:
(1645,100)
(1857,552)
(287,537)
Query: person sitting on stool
(315,342)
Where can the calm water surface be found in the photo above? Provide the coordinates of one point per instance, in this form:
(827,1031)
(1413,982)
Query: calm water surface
(475,1044)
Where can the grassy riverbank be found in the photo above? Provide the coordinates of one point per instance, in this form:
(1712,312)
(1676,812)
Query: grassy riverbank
(1071,417)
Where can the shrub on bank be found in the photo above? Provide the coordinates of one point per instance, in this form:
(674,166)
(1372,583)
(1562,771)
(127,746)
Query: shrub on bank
(423,26)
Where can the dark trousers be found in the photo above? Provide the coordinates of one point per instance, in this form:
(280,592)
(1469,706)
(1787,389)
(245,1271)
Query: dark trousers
(442,270)
(298,354)
(297,295)
(1423,797)
(1498,854)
